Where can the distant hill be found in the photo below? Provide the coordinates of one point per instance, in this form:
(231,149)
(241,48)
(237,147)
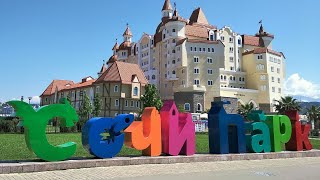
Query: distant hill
(306,105)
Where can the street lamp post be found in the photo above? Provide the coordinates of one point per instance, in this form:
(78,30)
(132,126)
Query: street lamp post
(29,99)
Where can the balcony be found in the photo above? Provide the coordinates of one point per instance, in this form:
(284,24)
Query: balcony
(172,77)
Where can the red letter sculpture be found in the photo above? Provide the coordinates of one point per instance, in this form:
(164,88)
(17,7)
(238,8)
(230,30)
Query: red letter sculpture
(145,135)
(299,137)
(178,131)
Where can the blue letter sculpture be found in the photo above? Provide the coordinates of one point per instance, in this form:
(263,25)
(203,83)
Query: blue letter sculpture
(93,141)
(226,131)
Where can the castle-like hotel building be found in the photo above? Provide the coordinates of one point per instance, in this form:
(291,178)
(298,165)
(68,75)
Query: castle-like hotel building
(192,62)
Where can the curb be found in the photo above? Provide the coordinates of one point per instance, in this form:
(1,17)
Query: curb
(28,167)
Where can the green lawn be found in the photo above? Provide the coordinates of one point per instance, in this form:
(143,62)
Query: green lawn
(13,146)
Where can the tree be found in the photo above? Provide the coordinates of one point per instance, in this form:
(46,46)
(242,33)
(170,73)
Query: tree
(286,104)
(96,105)
(180,108)
(151,97)
(313,114)
(244,110)
(85,110)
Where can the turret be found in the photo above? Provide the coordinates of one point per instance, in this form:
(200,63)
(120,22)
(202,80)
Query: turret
(127,35)
(265,38)
(167,10)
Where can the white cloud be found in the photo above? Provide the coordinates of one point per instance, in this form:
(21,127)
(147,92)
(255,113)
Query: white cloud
(34,100)
(295,85)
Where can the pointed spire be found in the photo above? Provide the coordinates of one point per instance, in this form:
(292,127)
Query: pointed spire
(198,16)
(261,30)
(103,69)
(175,13)
(167,5)
(116,46)
(128,31)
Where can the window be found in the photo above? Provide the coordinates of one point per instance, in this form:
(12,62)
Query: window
(191,49)
(135,91)
(204,49)
(279,90)
(210,71)
(263,77)
(225,78)
(272,79)
(173,61)
(187,107)
(260,67)
(196,82)
(137,104)
(116,88)
(182,82)
(212,49)
(196,59)
(231,49)
(231,59)
(209,60)
(132,103)
(126,103)
(278,70)
(153,77)
(273,89)
(209,50)
(211,37)
(173,72)
(263,88)
(221,77)
(222,38)
(115,114)
(173,30)
(279,80)
(98,89)
(260,56)
(239,78)
(46,100)
(231,40)
(116,102)
(231,78)
(272,69)
(173,51)
(199,107)
(196,70)
(210,82)
(231,68)
(195,49)
(173,40)
(200,49)
(239,41)
(243,79)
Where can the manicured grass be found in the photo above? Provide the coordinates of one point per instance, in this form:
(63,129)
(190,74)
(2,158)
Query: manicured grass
(13,146)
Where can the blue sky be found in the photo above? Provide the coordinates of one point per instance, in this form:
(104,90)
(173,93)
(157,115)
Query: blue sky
(42,40)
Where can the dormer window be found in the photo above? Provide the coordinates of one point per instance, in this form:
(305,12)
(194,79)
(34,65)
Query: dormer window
(135,91)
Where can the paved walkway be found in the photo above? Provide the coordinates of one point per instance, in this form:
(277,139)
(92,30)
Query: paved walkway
(297,168)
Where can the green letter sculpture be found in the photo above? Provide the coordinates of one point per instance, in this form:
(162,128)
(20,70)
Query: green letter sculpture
(35,123)
(259,139)
(280,131)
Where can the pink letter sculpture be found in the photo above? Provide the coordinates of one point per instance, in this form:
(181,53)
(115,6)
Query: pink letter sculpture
(178,131)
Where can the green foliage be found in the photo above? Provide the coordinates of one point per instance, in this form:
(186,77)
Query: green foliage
(180,108)
(287,103)
(96,105)
(85,110)
(151,97)
(244,110)
(313,113)
(9,126)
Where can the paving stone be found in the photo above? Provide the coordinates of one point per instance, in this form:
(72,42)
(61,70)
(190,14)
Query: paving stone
(17,168)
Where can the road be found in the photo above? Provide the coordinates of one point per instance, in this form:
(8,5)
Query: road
(299,168)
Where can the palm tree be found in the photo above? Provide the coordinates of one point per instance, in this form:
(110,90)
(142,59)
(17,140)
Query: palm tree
(287,103)
(313,114)
(244,110)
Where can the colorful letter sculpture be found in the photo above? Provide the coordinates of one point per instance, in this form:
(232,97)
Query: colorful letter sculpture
(259,139)
(299,137)
(35,123)
(280,131)
(226,131)
(178,131)
(146,135)
(110,146)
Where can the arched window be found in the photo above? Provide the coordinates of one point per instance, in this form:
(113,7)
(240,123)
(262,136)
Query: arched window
(173,61)
(225,77)
(187,107)
(221,77)
(116,88)
(135,91)
(199,107)
(173,72)
(153,76)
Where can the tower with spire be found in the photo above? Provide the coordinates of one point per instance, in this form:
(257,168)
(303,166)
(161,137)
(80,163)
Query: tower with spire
(167,10)
(127,35)
(265,38)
